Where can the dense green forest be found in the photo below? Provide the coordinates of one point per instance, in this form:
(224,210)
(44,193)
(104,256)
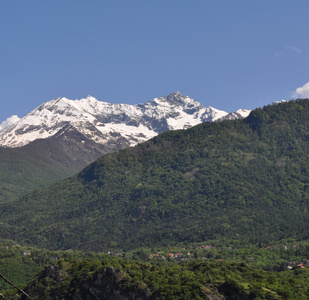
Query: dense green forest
(245,181)
(195,271)
(113,278)
(20,264)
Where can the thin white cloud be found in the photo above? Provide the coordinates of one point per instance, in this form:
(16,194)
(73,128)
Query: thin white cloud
(294,49)
(9,121)
(287,49)
(277,55)
(302,92)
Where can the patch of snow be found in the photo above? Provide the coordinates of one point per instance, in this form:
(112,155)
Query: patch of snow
(281,101)
(244,113)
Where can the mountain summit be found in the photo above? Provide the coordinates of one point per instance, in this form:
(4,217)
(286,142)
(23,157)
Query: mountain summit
(116,125)
(61,137)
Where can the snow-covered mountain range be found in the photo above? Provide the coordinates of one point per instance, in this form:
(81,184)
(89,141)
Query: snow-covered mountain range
(110,124)
(61,137)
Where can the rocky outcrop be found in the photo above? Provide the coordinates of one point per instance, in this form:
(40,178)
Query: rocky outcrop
(110,284)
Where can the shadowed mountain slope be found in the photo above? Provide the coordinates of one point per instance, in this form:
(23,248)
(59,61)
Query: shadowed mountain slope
(44,162)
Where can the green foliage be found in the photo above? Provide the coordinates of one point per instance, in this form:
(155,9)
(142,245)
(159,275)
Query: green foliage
(20,264)
(243,180)
(88,279)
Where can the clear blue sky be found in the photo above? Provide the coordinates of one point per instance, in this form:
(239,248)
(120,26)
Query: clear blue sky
(226,54)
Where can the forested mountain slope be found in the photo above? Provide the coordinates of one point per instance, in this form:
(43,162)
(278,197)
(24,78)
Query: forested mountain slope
(245,180)
(44,162)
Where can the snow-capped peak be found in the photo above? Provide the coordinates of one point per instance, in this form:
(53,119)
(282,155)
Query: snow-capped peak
(243,113)
(280,101)
(239,114)
(110,123)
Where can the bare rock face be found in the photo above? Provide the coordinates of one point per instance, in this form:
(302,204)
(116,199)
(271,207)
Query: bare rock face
(109,284)
(55,273)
